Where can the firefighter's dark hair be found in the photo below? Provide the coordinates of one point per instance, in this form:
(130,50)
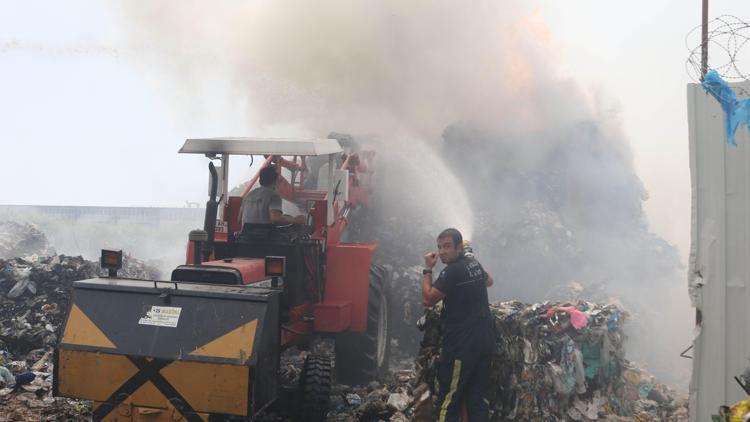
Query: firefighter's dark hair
(267,176)
(454,234)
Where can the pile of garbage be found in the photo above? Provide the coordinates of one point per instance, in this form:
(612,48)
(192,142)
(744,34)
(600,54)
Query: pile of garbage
(35,295)
(26,391)
(560,361)
(387,401)
(35,292)
(22,239)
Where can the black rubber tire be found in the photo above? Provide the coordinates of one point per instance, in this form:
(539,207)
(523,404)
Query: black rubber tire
(315,388)
(357,353)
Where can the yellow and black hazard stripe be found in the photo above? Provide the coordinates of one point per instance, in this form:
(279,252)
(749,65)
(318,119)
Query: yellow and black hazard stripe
(148,371)
(111,381)
(89,365)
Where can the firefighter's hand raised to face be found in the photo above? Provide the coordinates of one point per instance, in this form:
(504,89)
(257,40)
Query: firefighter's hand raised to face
(430,259)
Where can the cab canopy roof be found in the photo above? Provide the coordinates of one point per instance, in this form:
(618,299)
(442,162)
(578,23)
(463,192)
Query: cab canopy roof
(261,146)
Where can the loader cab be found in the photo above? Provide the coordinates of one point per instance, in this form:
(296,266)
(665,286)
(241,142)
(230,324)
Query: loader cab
(290,157)
(313,177)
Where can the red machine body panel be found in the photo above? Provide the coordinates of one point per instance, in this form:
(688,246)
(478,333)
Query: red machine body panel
(348,281)
(332,317)
(232,213)
(300,325)
(253,270)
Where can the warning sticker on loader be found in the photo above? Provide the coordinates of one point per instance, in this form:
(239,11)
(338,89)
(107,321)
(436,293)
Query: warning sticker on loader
(162,316)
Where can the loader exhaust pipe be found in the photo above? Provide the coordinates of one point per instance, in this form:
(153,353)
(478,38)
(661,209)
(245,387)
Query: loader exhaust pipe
(209,224)
(197,238)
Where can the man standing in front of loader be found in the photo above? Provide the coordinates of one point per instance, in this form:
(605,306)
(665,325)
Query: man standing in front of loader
(463,369)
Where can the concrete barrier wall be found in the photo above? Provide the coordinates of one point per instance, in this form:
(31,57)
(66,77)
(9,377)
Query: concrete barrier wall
(143,215)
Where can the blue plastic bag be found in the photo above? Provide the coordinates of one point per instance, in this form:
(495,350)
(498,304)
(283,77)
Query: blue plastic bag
(736,112)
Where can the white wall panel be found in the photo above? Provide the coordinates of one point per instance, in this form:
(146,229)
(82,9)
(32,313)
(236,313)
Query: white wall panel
(720,255)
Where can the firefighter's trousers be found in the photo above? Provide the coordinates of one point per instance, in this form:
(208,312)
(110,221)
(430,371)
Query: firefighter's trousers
(464,377)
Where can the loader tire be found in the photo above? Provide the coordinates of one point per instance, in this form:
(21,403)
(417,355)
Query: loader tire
(315,388)
(364,357)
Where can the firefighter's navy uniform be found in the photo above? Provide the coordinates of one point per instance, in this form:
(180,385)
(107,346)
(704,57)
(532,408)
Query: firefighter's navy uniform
(463,370)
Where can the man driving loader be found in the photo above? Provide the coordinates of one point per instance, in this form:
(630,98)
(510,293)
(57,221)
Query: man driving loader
(262,205)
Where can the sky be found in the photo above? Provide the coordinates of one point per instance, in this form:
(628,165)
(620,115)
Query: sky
(83,123)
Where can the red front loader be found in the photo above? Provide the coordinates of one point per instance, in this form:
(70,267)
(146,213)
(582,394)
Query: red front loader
(245,294)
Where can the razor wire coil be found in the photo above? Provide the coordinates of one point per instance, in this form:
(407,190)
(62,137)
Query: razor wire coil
(728,49)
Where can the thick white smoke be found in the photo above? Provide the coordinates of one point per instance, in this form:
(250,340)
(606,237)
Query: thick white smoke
(366,66)
(373,67)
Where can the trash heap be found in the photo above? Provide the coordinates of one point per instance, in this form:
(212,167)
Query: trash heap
(17,239)
(377,401)
(35,293)
(559,361)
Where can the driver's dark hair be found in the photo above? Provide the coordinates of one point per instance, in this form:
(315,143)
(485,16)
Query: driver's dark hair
(454,234)
(267,176)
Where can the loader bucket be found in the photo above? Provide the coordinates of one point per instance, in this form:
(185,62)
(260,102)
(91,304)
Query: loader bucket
(165,351)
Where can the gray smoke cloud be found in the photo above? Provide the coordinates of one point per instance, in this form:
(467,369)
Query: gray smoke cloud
(367,67)
(478,126)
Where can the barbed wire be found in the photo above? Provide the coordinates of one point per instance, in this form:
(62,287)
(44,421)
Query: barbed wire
(728,35)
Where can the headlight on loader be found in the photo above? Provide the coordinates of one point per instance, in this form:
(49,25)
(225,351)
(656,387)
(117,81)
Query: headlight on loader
(111,260)
(275,266)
